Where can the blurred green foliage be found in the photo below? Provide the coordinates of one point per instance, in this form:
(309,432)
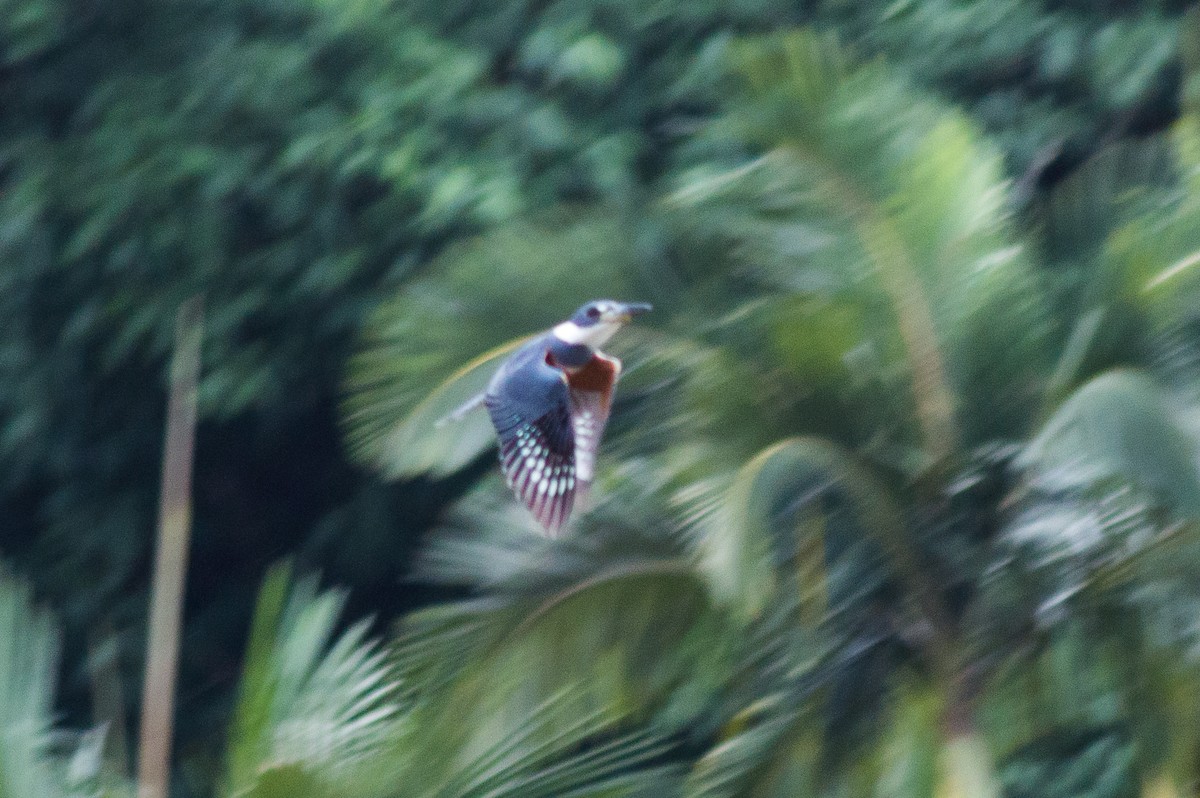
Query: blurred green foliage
(931,514)
(445,176)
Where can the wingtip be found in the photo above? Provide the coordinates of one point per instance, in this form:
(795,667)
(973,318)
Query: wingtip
(554,514)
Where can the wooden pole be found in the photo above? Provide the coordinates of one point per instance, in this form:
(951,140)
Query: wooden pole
(170,564)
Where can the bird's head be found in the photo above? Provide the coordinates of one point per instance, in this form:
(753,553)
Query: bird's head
(595,322)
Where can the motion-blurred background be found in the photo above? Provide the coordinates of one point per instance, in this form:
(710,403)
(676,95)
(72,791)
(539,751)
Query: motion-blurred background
(900,493)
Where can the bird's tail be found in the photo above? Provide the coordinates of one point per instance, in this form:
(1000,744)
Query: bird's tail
(462,410)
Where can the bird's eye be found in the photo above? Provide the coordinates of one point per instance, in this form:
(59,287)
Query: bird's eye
(593,312)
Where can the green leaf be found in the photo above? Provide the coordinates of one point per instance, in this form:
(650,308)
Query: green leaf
(1120,426)
(252,718)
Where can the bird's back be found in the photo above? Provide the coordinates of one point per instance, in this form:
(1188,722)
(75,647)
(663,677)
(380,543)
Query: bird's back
(525,380)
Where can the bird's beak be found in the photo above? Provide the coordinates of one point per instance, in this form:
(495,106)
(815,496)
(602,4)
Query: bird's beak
(625,313)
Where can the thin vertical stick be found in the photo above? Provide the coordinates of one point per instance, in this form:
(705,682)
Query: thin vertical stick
(170,565)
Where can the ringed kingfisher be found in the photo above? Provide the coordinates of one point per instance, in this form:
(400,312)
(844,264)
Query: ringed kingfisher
(549,402)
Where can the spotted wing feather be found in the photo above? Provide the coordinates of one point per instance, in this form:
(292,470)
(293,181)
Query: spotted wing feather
(537,443)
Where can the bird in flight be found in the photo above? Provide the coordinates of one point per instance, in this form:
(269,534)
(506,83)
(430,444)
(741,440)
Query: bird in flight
(549,402)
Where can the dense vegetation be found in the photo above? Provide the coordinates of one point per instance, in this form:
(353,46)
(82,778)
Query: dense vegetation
(901,487)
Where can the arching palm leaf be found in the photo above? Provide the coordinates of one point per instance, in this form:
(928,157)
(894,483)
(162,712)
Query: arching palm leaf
(899,192)
(615,613)
(773,504)
(1120,427)
(553,750)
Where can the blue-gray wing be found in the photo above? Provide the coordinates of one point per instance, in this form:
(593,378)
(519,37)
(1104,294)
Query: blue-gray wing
(530,406)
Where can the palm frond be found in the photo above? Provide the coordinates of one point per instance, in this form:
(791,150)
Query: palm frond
(555,751)
(28,668)
(616,611)
(903,193)
(741,764)
(792,732)
(1119,427)
(325,716)
(312,706)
